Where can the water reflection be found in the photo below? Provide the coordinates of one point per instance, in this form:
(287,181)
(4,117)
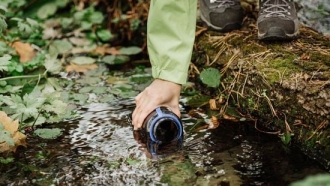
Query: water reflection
(154,150)
(315,14)
(100,148)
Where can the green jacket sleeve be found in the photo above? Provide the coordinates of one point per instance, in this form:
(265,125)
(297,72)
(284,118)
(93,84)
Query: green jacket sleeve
(170,38)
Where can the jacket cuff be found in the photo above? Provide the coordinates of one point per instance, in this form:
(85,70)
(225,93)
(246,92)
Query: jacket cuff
(172,75)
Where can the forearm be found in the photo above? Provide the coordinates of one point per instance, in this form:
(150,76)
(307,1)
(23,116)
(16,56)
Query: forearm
(171,35)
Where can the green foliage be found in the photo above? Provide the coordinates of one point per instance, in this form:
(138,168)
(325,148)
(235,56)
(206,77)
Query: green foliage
(3,24)
(210,77)
(5,136)
(52,64)
(60,46)
(104,35)
(48,133)
(83,60)
(132,161)
(115,60)
(87,18)
(4,62)
(130,50)
(36,107)
(286,138)
(13,3)
(31,90)
(124,90)
(319,179)
(26,27)
(6,160)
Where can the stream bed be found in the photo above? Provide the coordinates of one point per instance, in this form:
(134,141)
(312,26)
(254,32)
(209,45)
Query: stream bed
(100,149)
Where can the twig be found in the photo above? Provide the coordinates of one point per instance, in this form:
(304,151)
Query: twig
(20,77)
(323,124)
(255,126)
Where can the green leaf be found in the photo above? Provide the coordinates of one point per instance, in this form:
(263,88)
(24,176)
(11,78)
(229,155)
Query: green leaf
(104,35)
(286,138)
(62,46)
(198,100)
(48,133)
(96,17)
(210,77)
(124,90)
(47,10)
(132,161)
(26,27)
(3,83)
(52,64)
(3,24)
(318,179)
(5,137)
(115,60)
(4,62)
(56,106)
(81,60)
(3,9)
(130,50)
(62,3)
(6,160)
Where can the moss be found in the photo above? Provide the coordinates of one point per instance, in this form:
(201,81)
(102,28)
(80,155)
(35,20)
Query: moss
(277,68)
(179,173)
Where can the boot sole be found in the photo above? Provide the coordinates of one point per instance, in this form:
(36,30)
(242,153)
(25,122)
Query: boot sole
(227,28)
(276,33)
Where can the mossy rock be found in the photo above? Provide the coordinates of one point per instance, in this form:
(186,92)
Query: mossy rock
(284,87)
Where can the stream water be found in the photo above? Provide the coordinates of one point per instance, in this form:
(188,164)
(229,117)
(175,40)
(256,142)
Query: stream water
(315,14)
(100,149)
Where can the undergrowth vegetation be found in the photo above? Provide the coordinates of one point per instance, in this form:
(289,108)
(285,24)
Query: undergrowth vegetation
(48,46)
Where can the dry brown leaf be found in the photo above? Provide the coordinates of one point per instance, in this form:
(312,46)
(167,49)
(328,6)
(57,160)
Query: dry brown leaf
(213,104)
(221,100)
(214,123)
(200,128)
(305,56)
(105,49)
(12,127)
(25,51)
(80,68)
(229,117)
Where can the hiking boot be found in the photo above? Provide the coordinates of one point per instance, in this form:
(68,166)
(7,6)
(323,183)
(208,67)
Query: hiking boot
(222,15)
(277,20)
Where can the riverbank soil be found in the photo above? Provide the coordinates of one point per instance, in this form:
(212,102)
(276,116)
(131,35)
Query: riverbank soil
(283,88)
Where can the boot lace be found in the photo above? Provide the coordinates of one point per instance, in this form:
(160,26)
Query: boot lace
(222,3)
(276,8)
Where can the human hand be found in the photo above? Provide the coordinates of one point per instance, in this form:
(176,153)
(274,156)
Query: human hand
(158,93)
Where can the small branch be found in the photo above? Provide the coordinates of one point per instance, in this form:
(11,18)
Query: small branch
(23,77)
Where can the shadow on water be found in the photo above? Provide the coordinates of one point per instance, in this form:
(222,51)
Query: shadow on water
(99,149)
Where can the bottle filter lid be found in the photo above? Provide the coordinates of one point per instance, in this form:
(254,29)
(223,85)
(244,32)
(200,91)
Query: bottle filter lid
(165,127)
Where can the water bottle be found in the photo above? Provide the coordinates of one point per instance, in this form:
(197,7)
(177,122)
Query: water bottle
(163,126)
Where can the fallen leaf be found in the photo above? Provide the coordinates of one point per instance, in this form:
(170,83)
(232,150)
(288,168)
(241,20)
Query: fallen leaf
(25,51)
(201,128)
(12,127)
(229,117)
(305,56)
(213,104)
(79,41)
(214,123)
(105,49)
(80,68)
(83,60)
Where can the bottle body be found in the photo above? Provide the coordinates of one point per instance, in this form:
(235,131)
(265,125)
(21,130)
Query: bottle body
(163,126)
